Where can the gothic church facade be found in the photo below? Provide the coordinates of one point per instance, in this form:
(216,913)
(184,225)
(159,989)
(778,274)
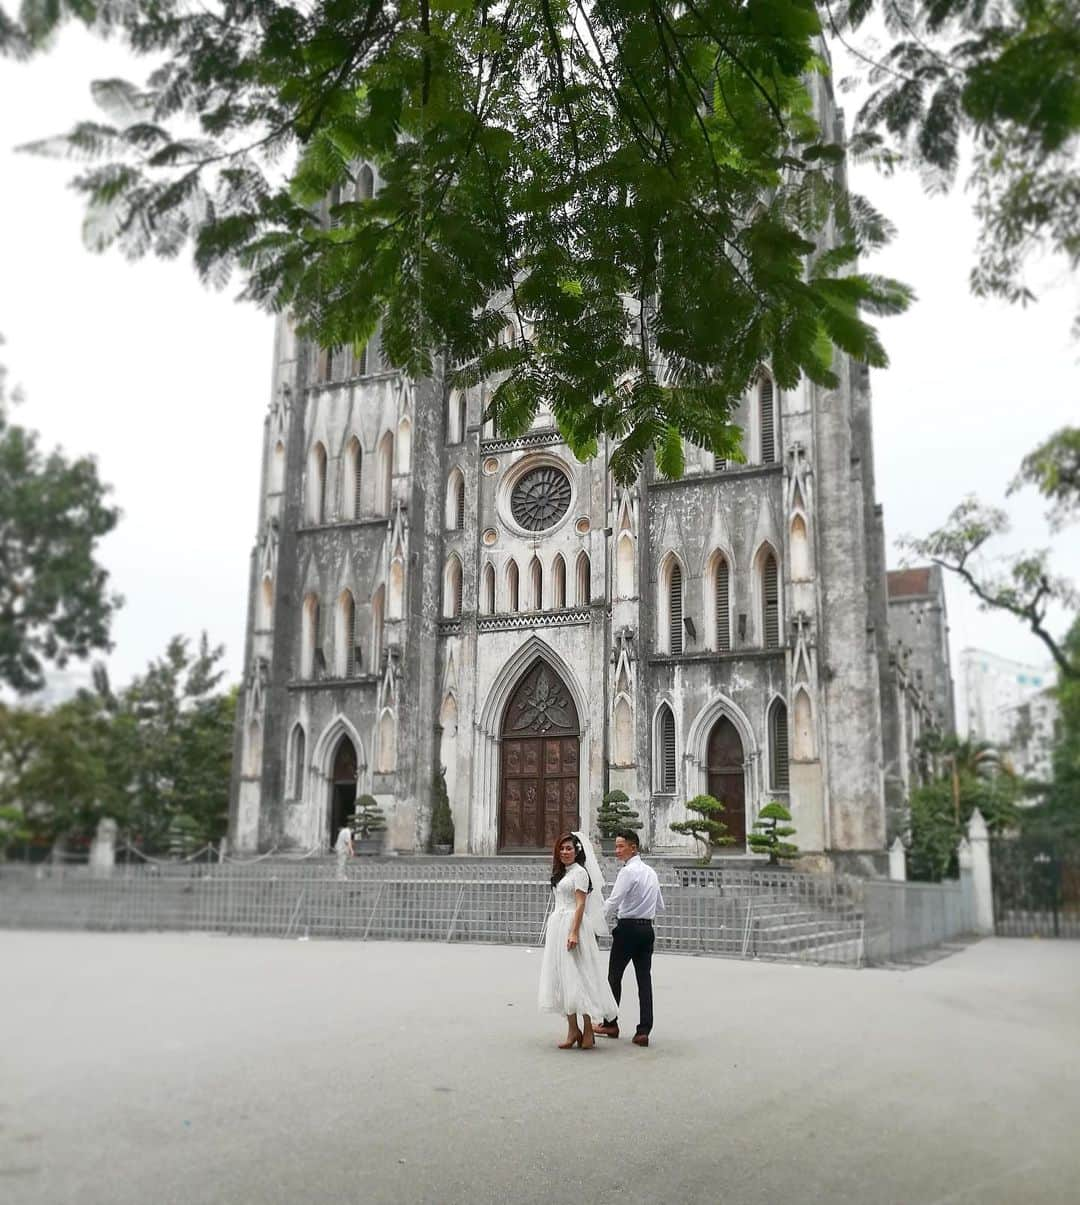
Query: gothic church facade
(427,594)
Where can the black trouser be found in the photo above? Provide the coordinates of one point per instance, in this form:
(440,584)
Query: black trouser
(633,941)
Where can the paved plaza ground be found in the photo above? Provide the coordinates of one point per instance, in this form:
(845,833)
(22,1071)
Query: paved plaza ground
(145,1069)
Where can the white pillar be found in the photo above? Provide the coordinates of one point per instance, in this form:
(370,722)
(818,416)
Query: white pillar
(897,862)
(103,849)
(979,837)
(967,883)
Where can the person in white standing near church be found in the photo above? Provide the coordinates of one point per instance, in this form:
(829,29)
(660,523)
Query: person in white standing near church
(633,904)
(343,847)
(572,979)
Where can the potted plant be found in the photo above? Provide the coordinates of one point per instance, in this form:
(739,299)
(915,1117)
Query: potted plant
(707,827)
(368,825)
(613,814)
(442,821)
(771,826)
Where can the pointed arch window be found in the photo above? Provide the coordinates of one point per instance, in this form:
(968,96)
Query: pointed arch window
(770,602)
(722,603)
(512,595)
(385,483)
(345,636)
(277,468)
(766,397)
(675,608)
(378,616)
(584,583)
(455,501)
(365,184)
(317,484)
(452,589)
(778,746)
(297,754)
(536,585)
(266,603)
(487,590)
(558,583)
(310,623)
(350,490)
(665,749)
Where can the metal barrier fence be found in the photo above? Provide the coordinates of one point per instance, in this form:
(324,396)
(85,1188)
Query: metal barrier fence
(902,919)
(782,915)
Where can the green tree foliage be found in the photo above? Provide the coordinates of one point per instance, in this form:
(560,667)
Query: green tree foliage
(772,825)
(54,601)
(615,813)
(637,194)
(706,827)
(442,819)
(1005,75)
(1057,814)
(155,757)
(970,775)
(369,818)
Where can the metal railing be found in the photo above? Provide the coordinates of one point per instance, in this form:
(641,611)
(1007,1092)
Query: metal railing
(782,915)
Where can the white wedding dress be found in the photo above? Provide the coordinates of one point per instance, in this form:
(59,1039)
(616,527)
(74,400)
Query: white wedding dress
(574,981)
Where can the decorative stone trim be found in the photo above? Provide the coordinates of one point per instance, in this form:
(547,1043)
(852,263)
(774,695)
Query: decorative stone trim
(533,619)
(531,439)
(718,475)
(449,627)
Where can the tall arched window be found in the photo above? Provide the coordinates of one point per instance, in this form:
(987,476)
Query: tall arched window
(512,594)
(624,566)
(722,601)
(800,550)
(385,467)
(345,660)
(778,746)
(623,734)
(675,607)
(395,608)
(558,583)
(297,754)
(487,590)
(350,486)
(452,588)
(460,502)
(266,603)
(766,397)
(455,501)
(404,446)
(536,585)
(803,734)
(309,636)
(378,615)
(316,508)
(455,416)
(665,751)
(386,762)
(770,602)
(584,580)
(277,468)
(365,184)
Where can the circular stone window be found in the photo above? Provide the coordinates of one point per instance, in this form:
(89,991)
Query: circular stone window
(540,498)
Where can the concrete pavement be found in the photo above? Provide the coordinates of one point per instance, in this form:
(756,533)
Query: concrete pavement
(141,1069)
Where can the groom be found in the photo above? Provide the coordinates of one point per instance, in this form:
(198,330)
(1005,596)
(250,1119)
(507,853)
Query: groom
(635,900)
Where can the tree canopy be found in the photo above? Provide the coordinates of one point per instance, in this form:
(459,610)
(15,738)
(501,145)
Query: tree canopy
(54,597)
(617,209)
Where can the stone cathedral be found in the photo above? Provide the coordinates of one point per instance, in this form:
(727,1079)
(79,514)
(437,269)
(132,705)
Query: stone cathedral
(428,594)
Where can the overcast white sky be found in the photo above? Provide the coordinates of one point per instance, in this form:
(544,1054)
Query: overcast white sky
(167,384)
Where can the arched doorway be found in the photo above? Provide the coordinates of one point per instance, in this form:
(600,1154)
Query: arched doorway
(727,778)
(538,797)
(342,787)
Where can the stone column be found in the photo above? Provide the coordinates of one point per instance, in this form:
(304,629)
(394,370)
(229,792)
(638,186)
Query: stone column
(979,838)
(897,862)
(967,883)
(103,849)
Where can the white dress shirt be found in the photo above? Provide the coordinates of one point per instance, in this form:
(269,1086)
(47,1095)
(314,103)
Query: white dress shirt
(636,894)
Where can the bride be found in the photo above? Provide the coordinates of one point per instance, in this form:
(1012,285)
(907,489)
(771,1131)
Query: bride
(573,977)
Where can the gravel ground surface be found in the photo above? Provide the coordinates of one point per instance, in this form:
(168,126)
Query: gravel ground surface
(140,1069)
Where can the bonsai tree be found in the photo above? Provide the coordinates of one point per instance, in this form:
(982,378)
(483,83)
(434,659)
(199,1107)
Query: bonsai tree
(368,818)
(707,828)
(771,826)
(442,822)
(615,813)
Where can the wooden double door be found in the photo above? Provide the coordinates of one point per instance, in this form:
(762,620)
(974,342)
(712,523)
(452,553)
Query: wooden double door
(538,798)
(727,776)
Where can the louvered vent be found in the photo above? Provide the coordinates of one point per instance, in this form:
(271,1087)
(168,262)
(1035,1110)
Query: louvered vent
(667,751)
(768,423)
(779,743)
(723,607)
(675,629)
(771,591)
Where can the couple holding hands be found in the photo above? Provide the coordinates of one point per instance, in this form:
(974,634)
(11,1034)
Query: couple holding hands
(572,978)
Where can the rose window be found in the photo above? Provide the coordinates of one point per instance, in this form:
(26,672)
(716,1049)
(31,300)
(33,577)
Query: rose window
(540,499)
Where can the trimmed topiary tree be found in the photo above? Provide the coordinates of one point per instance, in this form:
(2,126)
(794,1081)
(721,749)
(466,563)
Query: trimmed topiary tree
(708,828)
(615,813)
(771,826)
(368,819)
(442,820)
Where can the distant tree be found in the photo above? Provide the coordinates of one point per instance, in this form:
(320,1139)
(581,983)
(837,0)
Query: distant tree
(54,601)
(615,813)
(770,830)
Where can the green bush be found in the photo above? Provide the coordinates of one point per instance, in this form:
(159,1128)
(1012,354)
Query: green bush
(708,828)
(368,818)
(442,820)
(615,813)
(771,826)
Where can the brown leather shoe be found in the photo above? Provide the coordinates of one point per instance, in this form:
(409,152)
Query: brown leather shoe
(641,1039)
(609,1031)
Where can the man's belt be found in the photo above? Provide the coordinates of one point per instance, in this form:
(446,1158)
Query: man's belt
(635,920)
